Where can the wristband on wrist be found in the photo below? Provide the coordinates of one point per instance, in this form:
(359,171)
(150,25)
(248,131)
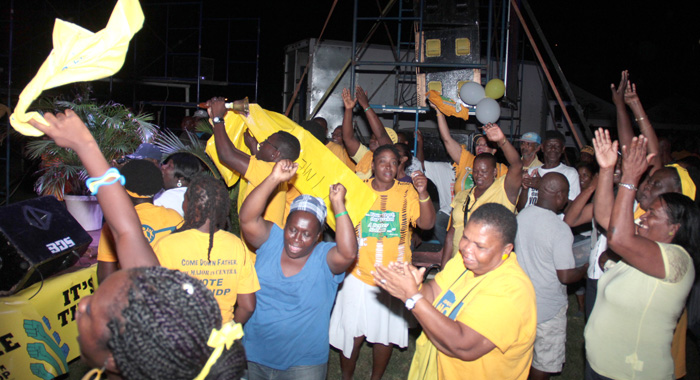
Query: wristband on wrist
(338,215)
(111,176)
(424,200)
(628,186)
(368,108)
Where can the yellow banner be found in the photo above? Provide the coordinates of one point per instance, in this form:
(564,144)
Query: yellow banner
(38,335)
(80,55)
(318,169)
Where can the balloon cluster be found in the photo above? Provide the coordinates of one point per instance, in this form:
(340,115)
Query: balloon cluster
(487,108)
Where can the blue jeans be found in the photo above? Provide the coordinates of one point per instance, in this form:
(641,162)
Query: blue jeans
(311,372)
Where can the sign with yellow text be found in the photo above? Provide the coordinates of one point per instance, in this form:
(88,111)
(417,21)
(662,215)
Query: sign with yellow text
(318,169)
(38,335)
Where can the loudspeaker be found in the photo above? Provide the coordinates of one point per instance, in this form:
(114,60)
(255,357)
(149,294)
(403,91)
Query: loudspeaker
(38,238)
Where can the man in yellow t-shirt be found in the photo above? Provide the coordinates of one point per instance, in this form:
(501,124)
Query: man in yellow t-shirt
(280,145)
(479,314)
(143,180)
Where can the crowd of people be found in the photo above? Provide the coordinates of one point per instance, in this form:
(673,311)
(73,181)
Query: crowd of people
(180,297)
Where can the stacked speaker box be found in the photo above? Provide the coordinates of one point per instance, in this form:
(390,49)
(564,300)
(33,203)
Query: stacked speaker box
(38,238)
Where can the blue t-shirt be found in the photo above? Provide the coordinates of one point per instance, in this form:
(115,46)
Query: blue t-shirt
(290,324)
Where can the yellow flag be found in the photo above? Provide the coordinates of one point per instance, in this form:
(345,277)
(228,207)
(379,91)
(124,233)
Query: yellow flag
(80,55)
(318,169)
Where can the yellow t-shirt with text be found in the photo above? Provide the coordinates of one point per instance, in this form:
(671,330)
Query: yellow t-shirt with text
(499,305)
(384,234)
(227,272)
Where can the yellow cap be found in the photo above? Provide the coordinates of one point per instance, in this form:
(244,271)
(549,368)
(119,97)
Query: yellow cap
(392,135)
(687,184)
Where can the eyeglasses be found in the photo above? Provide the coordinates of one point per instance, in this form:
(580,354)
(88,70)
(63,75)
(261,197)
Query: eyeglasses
(267,141)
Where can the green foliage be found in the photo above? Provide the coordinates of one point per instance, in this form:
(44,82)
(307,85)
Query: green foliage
(169,143)
(117,130)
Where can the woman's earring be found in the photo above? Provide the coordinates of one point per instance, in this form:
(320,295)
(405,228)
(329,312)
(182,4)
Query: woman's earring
(504,257)
(94,374)
(179,183)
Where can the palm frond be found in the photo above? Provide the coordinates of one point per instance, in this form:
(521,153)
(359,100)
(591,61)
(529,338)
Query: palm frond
(204,126)
(117,130)
(169,144)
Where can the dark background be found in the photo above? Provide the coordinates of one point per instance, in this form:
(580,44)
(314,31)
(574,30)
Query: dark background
(659,42)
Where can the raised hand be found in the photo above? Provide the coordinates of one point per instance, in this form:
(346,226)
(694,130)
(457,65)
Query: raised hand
(494,133)
(635,159)
(284,170)
(420,181)
(337,193)
(361,97)
(605,149)
(618,93)
(348,100)
(216,107)
(631,94)
(66,129)
(250,142)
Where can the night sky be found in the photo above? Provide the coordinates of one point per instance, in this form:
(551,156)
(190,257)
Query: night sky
(658,42)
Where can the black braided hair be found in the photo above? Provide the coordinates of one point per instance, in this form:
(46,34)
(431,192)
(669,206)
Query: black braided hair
(206,198)
(162,331)
(142,177)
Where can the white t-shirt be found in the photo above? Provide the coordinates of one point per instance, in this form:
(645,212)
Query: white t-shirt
(172,198)
(570,173)
(443,176)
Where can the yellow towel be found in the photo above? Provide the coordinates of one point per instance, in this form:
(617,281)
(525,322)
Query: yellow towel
(80,55)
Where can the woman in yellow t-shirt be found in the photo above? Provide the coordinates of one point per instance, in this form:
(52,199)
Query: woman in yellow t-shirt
(488,187)
(204,249)
(362,311)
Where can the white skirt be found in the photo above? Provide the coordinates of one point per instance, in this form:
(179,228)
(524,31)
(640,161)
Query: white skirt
(365,310)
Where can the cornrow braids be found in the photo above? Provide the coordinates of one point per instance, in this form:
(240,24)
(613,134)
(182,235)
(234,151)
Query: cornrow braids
(207,199)
(163,330)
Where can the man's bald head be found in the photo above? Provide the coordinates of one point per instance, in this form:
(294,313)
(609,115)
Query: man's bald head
(553,191)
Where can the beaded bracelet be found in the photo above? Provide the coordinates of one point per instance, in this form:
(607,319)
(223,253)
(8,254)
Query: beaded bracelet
(338,215)
(111,176)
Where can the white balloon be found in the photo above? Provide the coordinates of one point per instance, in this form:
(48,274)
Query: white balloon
(488,111)
(471,93)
